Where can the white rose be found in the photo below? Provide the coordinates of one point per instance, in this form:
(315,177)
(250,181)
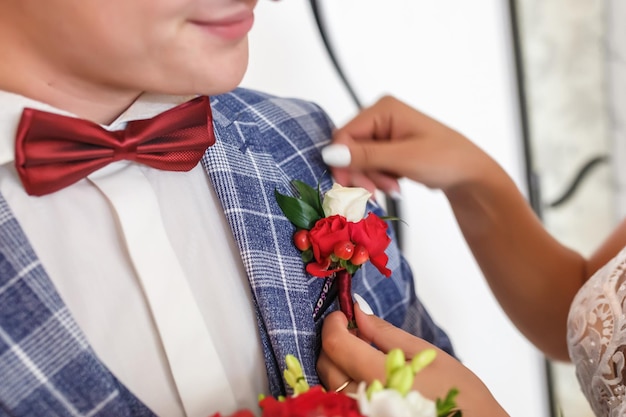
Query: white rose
(390,403)
(349,202)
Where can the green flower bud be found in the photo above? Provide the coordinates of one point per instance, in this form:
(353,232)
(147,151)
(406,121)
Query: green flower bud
(401,380)
(301,387)
(423,359)
(293,364)
(395,360)
(294,375)
(375,386)
(290,378)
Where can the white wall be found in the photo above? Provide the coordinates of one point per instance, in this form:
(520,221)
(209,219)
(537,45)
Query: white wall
(451,59)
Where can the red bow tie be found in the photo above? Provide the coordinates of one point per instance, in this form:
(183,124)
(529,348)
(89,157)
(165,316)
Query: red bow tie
(54,151)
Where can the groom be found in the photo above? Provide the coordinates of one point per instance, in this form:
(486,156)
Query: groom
(145,268)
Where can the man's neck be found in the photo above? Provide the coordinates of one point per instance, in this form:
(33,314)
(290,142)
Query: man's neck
(91,101)
(98,105)
(25,71)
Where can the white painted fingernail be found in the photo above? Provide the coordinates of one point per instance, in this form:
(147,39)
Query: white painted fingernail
(336,155)
(363,305)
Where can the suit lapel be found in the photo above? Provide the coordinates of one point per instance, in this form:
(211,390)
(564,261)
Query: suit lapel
(245,175)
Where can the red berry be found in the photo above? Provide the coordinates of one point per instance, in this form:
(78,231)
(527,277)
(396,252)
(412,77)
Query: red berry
(301,240)
(360,256)
(344,250)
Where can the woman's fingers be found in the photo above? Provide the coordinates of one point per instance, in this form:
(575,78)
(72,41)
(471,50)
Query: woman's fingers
(370,180)
(332,377)
(391,140)
(371,155)
(386,119)
(344,355)
(355,357)
(385,336)
(360,155)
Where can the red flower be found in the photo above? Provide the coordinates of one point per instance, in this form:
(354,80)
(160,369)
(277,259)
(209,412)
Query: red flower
(314,403)
(327,232)
(371,233)
(321,270)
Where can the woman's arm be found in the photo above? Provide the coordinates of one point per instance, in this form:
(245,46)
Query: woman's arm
(533,276)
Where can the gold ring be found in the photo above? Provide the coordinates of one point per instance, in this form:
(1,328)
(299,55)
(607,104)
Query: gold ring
(344,385)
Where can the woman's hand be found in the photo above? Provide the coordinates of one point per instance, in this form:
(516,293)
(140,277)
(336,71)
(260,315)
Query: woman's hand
(390,140)
(523,264)
(345,357)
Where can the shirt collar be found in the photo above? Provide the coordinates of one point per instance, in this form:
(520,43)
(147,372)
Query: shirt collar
(12,105)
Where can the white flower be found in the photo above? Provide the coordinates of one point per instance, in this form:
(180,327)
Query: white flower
(349,202)
(390,403)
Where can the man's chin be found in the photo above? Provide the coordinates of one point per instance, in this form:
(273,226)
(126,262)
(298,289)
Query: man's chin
(210,81)
(215,86)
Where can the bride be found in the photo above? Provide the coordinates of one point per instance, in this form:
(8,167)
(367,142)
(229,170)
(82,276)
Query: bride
(568,306)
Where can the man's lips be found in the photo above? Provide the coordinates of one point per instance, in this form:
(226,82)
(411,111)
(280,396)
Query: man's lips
(231,28)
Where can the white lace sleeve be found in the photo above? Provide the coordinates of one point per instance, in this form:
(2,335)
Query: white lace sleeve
(597,338)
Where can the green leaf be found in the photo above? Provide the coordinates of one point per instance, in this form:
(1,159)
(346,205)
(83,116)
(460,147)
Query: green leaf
(307,256)
(297,211)
(351,268)
(309,195)
(393,219)
(447,406)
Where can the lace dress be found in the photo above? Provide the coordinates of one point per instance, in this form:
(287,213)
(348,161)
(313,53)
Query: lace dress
(597,338)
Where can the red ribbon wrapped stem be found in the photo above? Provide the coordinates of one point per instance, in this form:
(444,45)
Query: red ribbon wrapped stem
(344,287)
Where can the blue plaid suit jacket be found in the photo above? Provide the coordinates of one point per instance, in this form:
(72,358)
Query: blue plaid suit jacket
(46,365)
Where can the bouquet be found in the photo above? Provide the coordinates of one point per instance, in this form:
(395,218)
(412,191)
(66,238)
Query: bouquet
(336,238)
(394,399)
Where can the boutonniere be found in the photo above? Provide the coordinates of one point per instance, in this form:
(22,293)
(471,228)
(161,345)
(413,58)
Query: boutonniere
(336,236)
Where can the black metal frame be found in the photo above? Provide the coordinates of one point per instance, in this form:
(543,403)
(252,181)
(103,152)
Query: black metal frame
(532,179)
(391,205)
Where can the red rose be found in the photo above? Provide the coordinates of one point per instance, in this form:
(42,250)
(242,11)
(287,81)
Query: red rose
(371,233)
(327,232)
(313,403)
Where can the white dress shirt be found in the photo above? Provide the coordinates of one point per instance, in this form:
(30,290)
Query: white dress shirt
(147,265)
